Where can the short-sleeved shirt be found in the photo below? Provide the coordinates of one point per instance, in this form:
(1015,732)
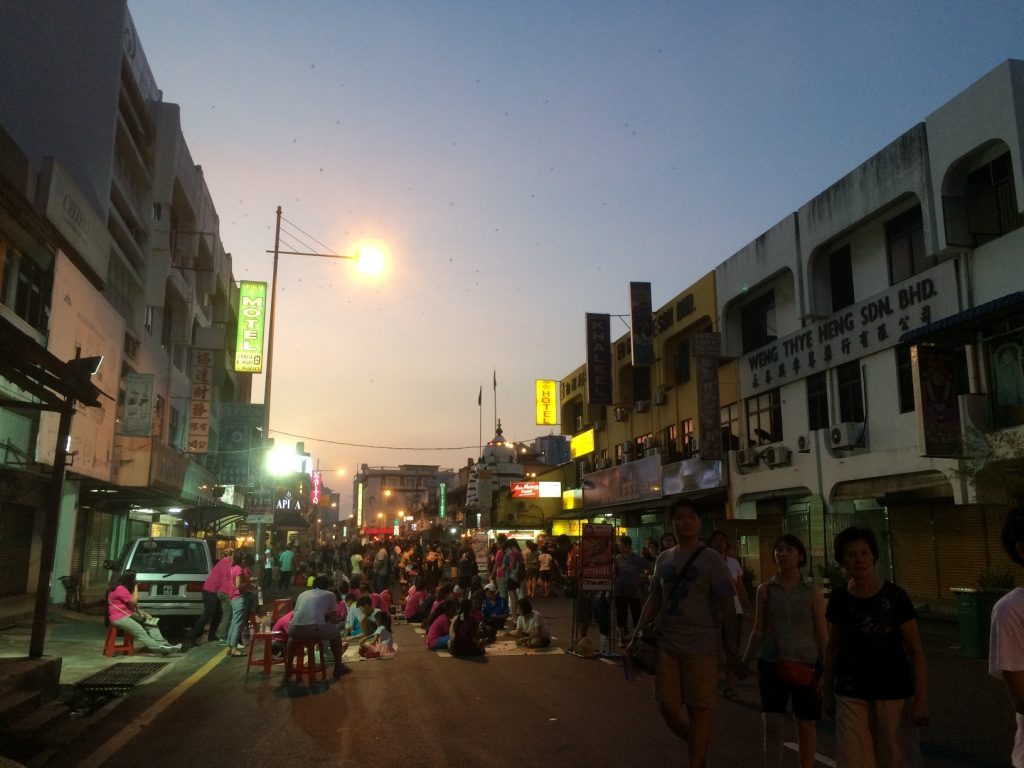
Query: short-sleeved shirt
(118,603)
(285,560)
(872,662)
(312,606)
(544,561)
(219,576)
(412,605)
(1006,653)
(629,575)
(281,625)
(533,624)
(691,618)
(496,607)
(438,628)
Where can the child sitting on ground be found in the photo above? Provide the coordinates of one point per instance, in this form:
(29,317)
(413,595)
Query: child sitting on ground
(381,644)
(531,628)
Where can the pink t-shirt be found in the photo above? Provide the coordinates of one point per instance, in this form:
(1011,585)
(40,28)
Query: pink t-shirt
(442,624)
(283,622)
(413,603)
(342,610)
(377,602)
(232,589)
(118,603)
(219,574)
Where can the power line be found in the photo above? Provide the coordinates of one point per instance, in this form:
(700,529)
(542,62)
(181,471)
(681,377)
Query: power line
(379,447)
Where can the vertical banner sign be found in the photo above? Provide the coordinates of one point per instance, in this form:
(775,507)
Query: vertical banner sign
(935,398)
(546,391)
(599,359)
(442,501)
(596,558)
(138,405)
(202,401)
(707,349)
(642,322)
(252,313)
(316,484)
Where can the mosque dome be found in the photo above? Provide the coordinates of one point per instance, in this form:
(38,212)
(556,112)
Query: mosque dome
(498,450)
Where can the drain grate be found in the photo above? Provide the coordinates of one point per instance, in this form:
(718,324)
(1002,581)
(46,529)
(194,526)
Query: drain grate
(120,678)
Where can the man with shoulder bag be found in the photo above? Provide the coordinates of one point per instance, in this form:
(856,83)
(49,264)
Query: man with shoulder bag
(691,599)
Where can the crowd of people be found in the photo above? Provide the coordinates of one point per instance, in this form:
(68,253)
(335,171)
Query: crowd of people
(857,658)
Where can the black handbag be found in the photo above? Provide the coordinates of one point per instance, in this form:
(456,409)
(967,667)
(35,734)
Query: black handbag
(643,649)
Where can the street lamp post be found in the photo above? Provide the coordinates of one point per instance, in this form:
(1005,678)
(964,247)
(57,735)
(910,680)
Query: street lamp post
(268,381)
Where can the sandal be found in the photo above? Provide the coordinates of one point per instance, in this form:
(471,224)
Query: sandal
(730,694)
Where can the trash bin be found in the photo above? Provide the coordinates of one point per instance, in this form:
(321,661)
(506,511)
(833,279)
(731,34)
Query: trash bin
(974,613)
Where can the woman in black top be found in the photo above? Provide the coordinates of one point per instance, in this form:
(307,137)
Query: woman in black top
(874,665)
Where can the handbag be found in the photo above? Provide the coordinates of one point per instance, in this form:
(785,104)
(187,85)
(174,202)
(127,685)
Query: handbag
(796,673)
(642,650)
(145,619)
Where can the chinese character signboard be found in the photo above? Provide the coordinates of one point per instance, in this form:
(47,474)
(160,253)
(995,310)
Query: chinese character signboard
(854,332)
(706,349)
(596,557)
(642,317)
(936,401)
(252,310)
(202,401)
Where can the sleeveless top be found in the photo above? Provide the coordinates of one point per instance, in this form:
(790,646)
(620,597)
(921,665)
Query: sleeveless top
(789,624)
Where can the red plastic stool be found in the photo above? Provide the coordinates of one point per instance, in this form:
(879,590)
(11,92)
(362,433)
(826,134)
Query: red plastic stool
(267,660)
(127,646)
(281,606)
(309,667)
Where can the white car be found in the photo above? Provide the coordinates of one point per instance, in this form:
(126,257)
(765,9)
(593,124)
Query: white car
(169,572)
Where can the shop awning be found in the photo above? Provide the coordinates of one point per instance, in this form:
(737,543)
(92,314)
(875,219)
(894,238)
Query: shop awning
(962,327)
(930,484)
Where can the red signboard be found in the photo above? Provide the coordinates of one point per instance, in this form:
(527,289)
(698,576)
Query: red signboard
(525,489)
(596,557)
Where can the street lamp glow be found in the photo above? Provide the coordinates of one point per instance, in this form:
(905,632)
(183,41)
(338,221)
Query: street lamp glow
(281,460)
(371,258)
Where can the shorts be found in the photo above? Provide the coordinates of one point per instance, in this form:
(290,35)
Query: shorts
(688,679)
(775,694)
(545,575)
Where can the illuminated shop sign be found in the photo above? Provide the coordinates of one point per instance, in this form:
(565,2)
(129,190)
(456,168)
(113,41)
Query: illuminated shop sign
(546,411)
(252,312)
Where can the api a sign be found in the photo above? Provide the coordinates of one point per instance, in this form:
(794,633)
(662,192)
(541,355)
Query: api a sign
(287,499)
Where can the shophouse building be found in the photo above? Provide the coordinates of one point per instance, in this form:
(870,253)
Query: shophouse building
(135,271)
(871,359)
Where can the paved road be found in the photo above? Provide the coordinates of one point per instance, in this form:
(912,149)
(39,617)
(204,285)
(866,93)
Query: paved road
(422,710)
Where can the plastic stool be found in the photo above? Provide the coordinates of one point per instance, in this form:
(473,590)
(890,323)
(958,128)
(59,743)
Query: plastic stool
(127,646)
(310,668)
(280,608)
(267,660)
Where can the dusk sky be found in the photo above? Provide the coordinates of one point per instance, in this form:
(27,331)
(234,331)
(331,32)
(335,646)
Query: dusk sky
(523,162)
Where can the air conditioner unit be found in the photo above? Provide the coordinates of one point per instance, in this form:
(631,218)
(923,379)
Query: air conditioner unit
(745,457)
(620,414)
(598,423)
(659,397)
(777,456)
(803,443)
(642,406)
(847,434)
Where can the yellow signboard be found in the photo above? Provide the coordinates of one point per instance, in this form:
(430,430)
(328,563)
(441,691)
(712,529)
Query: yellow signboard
(582,444)
(547,391)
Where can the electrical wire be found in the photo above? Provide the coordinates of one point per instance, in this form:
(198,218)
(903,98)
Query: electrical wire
(379,447)
(331,250)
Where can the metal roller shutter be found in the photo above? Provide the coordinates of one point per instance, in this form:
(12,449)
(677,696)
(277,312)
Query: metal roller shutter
(913,551)
(961,543)
(15,547)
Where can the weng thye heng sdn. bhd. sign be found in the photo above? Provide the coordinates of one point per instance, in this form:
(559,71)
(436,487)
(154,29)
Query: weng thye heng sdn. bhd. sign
(853,332)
